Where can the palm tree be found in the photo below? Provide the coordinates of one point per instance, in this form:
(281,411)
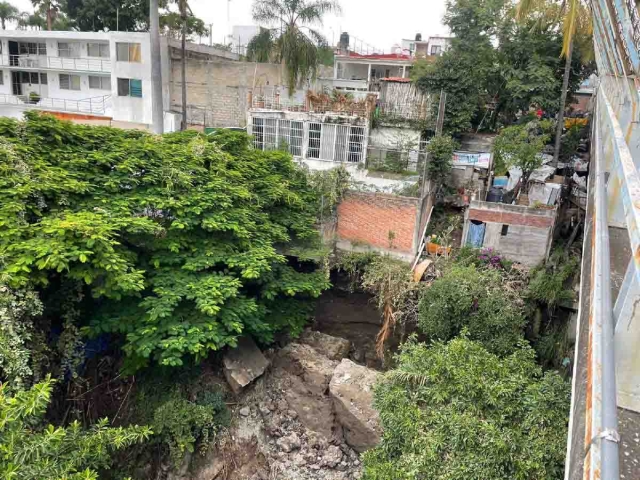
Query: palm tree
(576,19)
(7,12)
(48,7)
(291,40)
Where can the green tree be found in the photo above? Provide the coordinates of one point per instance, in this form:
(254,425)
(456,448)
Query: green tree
(472,298)
(520,146)
(31,452)
(7,12)
(463,72)
(171,25)
(456,411)
(439,164)
(576,27)
(101,15)
(292,41)
(176,240)
(48,8)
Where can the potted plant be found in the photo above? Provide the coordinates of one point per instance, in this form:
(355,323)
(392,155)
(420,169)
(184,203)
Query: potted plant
(34,98)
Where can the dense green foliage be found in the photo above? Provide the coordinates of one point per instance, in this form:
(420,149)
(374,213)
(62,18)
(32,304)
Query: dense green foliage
(17,309)
(454,411)
(183,411)
(496,66)
(175,239)
(473,298)
(439,164)
(31,451)
(519,146)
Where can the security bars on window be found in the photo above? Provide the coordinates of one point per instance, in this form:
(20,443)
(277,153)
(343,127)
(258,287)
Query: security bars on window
(324,141)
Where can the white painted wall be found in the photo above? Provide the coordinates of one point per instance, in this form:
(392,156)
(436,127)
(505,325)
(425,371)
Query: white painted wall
(391,137)
(125,108)
(130,109)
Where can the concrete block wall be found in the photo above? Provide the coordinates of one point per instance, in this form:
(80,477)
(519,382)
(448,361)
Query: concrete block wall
(377,221)
(528,234)
(221,87)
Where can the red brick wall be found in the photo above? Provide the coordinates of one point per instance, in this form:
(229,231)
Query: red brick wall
(369,217)
(510,218)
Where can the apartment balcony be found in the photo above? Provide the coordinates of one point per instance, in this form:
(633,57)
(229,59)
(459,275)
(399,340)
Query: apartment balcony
(42,62)
(90,106)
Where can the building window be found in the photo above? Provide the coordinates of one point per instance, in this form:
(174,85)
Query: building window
(43,79)
(32,78)
(257,130)
(129,87)
(505,230)
(68,50)
(128,52)
(98,50)
(356,144)
(315,134)
(99,82)
(290,136)
(32,48)
(69,82)
(1,77)
(436,50)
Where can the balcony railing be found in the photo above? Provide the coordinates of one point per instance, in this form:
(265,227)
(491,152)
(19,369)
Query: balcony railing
(87,64)
(92,105)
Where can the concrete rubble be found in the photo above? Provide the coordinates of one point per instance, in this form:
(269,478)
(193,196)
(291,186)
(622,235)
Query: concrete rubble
(351,389)
(304,419)
(243,364)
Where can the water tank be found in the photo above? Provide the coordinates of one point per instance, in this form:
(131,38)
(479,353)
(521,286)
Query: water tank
(418,37)
(495,195)
(344,41)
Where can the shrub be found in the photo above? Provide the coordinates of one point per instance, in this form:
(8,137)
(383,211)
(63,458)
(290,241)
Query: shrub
(456,411)
(473,298)
(31,452)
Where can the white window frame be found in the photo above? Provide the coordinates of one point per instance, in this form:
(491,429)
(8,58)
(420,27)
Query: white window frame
(68,50)
(69,82)
(103,50)
(128,55)
(104,82)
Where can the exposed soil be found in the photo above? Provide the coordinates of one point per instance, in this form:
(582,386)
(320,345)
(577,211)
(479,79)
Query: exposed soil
(353,316)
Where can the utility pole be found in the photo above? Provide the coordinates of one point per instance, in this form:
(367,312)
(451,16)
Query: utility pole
(157,107)
(211,34)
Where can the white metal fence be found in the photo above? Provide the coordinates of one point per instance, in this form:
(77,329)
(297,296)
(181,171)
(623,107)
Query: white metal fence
(56,63)
(310,140)
(92,105)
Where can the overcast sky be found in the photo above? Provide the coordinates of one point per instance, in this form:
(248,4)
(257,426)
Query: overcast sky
(381,24)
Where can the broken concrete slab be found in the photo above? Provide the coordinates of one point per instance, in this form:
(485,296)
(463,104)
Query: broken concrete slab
(334,348)
(243,364)
(308,374)
(351,388)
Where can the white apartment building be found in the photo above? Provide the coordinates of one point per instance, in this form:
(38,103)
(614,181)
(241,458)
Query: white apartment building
(85,73)
(94,77)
